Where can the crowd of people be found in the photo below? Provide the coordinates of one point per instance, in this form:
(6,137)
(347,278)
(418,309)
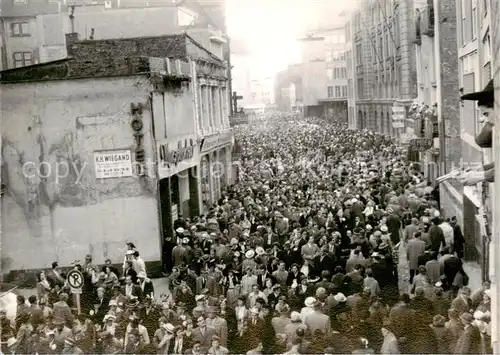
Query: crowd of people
(300,256)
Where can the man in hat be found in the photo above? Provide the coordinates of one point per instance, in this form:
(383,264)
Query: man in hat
(180,253)
(203,334)
(146,285)
(414,249)
(219,324)
(485,102)
(61,332)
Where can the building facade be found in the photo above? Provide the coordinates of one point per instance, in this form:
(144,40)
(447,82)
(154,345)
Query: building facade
(288,89)
(475,71)
(324,73)
(34,31)
(122,159)
(351,76)
(385,64)
(436,117)
(494,245)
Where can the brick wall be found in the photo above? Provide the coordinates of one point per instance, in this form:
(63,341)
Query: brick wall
(450,105)
(120,56)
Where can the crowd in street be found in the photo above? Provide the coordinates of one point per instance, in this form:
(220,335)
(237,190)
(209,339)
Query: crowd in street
(300,256)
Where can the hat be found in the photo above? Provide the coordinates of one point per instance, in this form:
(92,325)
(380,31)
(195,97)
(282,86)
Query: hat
(50,332)
(339,297)
(59,321)
(130,244)
(237,254)
(11,342)
(260,250)
(369,227)
(438,284)
(438,320)
(310,302)
(295,316)
(486,95)
(133,303)
(254,310)
(169,328)
(180,230)
(383,246)
(141,275)
(478,315)
(466,318)
(233,241)
(112,303)
(199,298)
(375,254)
(384,228)
(129,252)
(250,254)
(185,241)
(109,317)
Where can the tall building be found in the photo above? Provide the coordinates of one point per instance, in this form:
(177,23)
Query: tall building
(475,71)
(324,72)
(288,89)
(494,246)
(436,113)
(385,64)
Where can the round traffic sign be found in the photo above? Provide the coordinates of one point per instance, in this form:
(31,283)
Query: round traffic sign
(75,279)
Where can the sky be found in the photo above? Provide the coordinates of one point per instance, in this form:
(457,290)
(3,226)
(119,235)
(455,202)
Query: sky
(270,28)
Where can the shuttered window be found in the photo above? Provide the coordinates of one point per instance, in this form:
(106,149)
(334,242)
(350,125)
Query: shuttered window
(469,108)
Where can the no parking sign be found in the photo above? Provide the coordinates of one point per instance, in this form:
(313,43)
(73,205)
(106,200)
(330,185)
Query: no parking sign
(75,281)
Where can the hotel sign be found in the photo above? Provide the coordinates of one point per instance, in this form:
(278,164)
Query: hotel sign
(214,141)
(184,151)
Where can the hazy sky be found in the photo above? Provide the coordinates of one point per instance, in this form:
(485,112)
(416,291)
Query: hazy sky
(271,27)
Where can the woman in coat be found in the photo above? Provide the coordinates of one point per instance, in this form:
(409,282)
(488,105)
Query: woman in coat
(390,344)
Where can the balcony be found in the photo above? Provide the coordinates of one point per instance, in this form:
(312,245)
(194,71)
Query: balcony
(427,21)
(216,36)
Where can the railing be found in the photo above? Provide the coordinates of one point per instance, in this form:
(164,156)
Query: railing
(427,21)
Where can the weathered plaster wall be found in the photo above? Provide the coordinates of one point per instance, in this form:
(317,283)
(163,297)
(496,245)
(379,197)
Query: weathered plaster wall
(46,219)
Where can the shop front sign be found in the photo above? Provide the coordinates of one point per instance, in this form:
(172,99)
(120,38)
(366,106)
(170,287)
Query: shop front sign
(398,116)
(215,141)
(421,144)
(184,151)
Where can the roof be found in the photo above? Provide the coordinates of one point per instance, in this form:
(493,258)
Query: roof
(110,57)
(30,8)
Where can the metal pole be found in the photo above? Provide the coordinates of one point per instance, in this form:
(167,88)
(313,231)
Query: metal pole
(229,76)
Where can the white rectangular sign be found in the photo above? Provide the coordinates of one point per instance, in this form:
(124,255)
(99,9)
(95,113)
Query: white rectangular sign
(113,164)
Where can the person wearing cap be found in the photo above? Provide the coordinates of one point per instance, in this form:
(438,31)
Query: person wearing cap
(146,285)
(463,303)
(180,253)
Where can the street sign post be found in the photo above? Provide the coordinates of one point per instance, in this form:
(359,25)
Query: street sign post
(75,281)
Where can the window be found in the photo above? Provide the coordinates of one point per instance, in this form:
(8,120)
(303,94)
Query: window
(336,73)
(20,29)
(466,9)
(358,55)
(474,19)
(360,88)
(330,91)
(22,59)
(469,107)
(337,91)
(344,73)
(344,91)
(329,73)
